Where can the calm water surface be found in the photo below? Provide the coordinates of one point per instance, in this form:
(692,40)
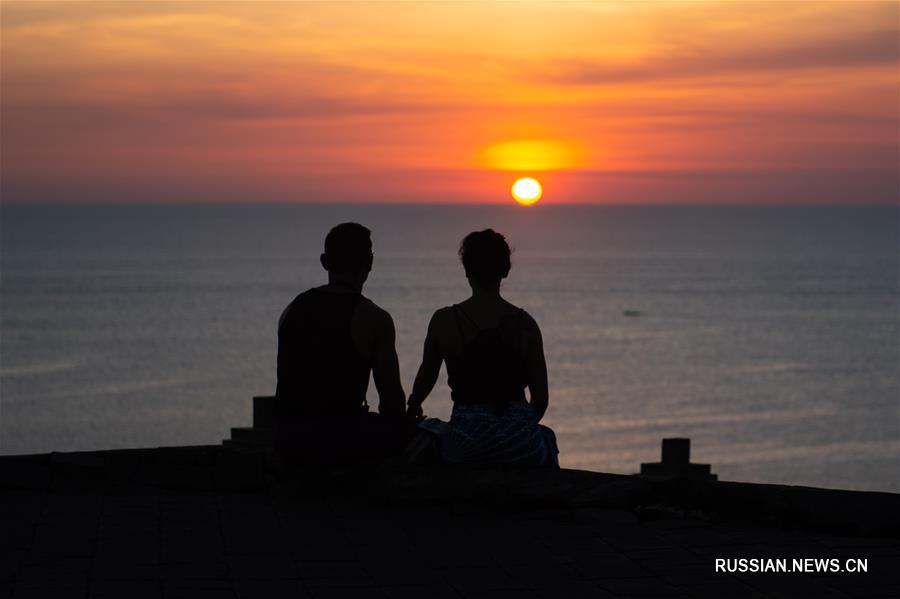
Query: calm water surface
(767,335)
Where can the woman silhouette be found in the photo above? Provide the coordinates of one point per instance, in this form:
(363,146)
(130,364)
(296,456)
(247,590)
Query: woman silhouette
(493,351)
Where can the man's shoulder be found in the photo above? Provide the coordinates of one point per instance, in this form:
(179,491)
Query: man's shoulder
(369,311)
(527,319)
(372,325)
(298,299)
(302,296)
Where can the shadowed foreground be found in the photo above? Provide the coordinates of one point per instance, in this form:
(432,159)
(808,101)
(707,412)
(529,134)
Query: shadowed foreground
(210,522)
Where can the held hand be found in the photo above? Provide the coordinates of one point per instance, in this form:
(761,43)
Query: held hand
(414,412)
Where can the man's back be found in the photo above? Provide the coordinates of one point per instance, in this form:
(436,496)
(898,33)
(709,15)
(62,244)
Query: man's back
(321,372)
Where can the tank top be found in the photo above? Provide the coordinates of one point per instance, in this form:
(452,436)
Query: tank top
(491,369)
(320,372)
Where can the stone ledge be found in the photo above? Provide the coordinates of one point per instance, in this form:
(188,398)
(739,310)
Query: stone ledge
(213,468)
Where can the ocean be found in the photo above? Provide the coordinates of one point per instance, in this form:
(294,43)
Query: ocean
(768,334)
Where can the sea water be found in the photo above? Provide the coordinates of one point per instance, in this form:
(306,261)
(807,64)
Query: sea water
(768,335)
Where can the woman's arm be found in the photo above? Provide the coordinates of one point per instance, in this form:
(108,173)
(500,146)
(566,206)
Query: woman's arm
(428,370)
(538,387)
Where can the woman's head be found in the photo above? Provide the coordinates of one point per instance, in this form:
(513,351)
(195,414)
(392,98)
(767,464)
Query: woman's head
(486,257)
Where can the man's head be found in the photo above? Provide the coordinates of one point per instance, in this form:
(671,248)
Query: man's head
(348,251)
(486,257)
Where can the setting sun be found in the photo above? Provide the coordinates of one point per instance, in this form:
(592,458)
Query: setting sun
(527,191)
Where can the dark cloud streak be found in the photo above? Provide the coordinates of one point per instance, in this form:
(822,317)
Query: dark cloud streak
(880,48)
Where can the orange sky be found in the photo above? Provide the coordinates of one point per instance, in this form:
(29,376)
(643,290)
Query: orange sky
(449,102)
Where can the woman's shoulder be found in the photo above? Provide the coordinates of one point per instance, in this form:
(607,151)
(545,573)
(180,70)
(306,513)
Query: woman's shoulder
(522,320)
(516,313)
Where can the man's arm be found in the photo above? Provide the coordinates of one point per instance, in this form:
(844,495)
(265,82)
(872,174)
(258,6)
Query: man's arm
(386,367)
(428,370)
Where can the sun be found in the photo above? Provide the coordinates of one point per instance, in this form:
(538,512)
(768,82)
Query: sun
(527,191)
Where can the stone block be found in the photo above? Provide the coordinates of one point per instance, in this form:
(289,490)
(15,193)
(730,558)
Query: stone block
(255,541)
(264,412)
(344,593)
(261,568)
(236,469)
(131,511)
(175,551)
(16,535)
(248,436)
(676,452)
(49,590)
(71,509)
(646,587)
(431,591)
(312,570)
(574,589)
(198,570)
(63,570)
(605,567)
(103,570)
(718,590)
(127,550)
(9,566)
(676,463)
(270,589)
(472,580)
(117,589)
(198,589)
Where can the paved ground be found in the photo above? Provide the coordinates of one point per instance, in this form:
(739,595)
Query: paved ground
(68,531)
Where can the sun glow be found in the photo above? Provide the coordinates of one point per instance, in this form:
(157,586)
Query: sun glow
(531,155)
(527,191)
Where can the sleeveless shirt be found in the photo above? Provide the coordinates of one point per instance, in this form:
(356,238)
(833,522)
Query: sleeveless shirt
(491,369)
(320,372)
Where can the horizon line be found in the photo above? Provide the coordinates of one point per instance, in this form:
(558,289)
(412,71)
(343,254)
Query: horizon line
(511,203)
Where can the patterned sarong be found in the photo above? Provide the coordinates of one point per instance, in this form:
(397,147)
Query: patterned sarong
(477,435)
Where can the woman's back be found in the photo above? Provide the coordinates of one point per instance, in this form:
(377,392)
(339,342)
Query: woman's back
(490,367)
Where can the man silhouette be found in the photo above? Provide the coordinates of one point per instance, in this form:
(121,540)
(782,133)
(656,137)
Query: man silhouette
(329,339)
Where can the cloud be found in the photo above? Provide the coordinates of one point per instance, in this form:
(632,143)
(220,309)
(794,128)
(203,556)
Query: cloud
(198,115)
(874,48)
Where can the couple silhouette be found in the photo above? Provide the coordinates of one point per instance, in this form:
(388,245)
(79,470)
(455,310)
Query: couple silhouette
(330,338)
